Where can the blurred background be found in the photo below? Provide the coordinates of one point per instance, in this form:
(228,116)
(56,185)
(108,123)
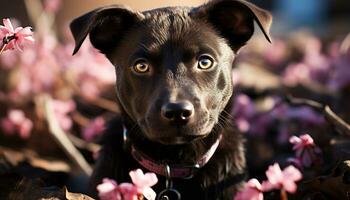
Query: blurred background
(54,107)
(324,17)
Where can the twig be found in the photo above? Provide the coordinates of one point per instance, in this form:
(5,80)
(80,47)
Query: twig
(82,144)
(80,119)
(345,45)
(3,48)
(34,9)
(105,104)
(63,140)
(341,126)
(339,123)
(6,40)
(284,195)
(98,101)
(42,20)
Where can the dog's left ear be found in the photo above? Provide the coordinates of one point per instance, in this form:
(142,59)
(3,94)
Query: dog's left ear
(105,26)
(234,19)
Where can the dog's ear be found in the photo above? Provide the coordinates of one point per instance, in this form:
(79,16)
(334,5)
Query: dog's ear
(105,25)
(234,19)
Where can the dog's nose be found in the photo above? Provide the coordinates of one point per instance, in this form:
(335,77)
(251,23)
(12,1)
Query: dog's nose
(178,113)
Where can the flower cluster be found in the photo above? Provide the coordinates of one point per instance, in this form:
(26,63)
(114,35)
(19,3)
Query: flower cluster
(93,129)
(142,183)
(14,38)
(47,67)
(252,191)
(80,86)
(306,151)
(305,60)
(276,180)
(61,109)
(255,122)
(327,69)
(17,122)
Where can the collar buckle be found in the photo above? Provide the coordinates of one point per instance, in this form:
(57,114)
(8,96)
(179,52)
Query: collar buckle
(194,169)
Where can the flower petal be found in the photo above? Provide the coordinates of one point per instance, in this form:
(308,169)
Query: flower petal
(149,194)
(143,180)
(292,173)
(136,176)
(253,183)
(27,31)
(25,129)
(150,179)
(8,24)
(274,174)
(289,186)
(18,46)
(267,186)
(3,31)
(127,188)
(107,190)
(16,116)
(294,140)
(29,38)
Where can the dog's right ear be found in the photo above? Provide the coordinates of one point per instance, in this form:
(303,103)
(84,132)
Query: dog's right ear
(106,26)
(234,20)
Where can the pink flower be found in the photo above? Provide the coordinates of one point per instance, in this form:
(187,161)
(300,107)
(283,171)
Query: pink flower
(278,179)
(295,74)
(244,110)
(252,191)
(301,142)
(96,127)
(242,124)
(108,190)
(306,150)
(244,106)
(17,37)
(129,191)
(144,182)
(90,70)
(61,109)
(16,121)
(89,88)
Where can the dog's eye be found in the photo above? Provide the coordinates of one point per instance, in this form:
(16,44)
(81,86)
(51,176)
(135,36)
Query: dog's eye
(141,66)
(205,62)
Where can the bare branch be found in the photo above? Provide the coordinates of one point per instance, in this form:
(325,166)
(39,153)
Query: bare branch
(341,126)
(82,144)
(63,140)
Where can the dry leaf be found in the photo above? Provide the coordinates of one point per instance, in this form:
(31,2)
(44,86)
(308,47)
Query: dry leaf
(76,196)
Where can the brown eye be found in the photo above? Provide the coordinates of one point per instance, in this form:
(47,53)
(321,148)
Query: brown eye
(141,66)
(205,62)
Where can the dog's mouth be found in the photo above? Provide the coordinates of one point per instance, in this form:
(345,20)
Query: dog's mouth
(178,140)
(176,135)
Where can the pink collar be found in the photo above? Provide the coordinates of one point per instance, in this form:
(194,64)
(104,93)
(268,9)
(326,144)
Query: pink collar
(174,171)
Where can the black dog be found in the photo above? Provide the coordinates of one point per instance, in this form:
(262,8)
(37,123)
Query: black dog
(174,86)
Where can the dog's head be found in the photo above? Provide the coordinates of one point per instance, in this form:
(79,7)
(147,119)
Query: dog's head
(173,65)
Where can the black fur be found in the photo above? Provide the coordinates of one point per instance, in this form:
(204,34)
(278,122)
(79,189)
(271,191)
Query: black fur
(171,41)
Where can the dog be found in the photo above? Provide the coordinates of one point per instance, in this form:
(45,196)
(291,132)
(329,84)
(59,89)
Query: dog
(174,87)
